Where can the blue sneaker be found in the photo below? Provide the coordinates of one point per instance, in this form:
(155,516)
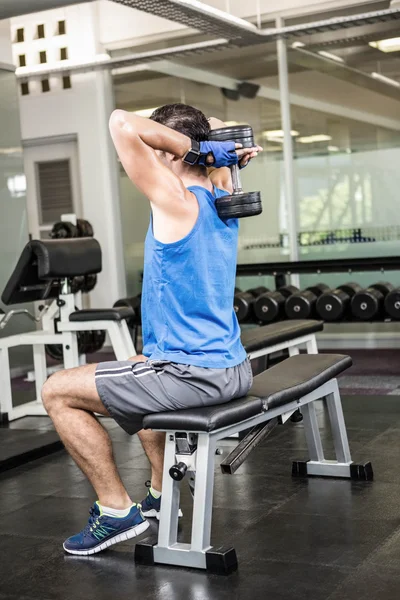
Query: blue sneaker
(103,531)
(151,506)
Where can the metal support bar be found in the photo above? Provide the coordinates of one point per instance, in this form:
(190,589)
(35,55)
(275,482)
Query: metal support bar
(312,433)
(338,426)
(168,531)
(237,457)
(291,207)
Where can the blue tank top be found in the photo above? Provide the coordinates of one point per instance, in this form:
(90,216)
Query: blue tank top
(188,288)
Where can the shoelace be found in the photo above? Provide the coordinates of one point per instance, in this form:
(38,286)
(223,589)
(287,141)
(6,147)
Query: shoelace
(92,523)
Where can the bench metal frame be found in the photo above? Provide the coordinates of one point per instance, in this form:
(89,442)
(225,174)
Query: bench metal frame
(118,332)
(168,550)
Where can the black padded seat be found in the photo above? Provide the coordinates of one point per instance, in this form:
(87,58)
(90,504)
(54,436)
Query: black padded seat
(102,314)
(276,333)
(289,380)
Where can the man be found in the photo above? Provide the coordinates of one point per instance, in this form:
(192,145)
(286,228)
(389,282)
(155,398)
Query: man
(192,353)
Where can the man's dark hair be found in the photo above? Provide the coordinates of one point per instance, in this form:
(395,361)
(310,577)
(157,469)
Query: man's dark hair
(183,118)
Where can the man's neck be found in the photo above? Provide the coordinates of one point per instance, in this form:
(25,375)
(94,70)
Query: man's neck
(202,180)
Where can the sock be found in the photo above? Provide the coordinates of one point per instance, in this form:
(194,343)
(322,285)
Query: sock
(114,512)
(155,494)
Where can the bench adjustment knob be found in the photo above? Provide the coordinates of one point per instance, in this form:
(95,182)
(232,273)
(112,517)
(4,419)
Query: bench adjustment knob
(178,471)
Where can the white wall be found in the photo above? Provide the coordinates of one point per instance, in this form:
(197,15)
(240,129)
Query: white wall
(5,42)
(83,111)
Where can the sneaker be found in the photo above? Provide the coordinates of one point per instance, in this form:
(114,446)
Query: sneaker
(151,506)
(103,531)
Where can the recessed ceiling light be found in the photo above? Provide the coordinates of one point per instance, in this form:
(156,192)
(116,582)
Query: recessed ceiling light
(333,148)
(310,139)
(331,56)
(388,45)
(385,79)
(278,133)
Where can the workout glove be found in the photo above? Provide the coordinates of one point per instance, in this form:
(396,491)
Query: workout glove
(224,154)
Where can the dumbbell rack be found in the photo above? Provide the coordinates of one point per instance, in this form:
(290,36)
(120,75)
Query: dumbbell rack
(368,337)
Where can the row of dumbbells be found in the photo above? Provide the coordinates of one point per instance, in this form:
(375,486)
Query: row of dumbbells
(346,302)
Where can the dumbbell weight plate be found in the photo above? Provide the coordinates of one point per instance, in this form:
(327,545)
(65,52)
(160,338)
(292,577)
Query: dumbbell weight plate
(300,305)
(392,304)
(242,303)
(267,307)
(64,230)
(240,134)
(319,289)
(239,205)
(85,229)
(288,290)
(366,305)
(384,287)
(77,284)
(332,305)
(90,283)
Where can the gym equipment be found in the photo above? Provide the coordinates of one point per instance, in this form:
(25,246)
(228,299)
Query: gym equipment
(301,305)
(270,306)
(335,304)
(243,301)
(43,273)
(240,204)
(192,436)
(392,304)
(90,282)
(133,302)
(64,230)
(85,228)
(369,304)
(89,342)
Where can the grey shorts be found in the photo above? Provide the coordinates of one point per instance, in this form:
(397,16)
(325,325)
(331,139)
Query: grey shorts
(131,390)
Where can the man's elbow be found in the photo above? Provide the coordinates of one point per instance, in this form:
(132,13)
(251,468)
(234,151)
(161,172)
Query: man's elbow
(119,123)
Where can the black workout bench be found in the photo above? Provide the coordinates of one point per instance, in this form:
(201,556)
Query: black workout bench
(192,435)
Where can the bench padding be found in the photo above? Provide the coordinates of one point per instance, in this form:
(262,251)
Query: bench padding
(287,381)
(102,314)
(276,333)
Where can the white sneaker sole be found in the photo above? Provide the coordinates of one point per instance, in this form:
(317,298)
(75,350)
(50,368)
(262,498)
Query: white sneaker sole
(121,537)
(154,514)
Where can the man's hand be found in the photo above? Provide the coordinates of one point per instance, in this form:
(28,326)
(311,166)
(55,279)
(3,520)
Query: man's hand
(244,154)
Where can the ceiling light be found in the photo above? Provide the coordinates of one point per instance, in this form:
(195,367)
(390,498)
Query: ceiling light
(331,56)
(145,112)
(385,79)
(310,139)
(333,148)
(298,45)
(278,133)
(389,45)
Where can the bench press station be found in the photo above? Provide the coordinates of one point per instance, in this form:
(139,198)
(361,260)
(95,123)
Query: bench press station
(191,445)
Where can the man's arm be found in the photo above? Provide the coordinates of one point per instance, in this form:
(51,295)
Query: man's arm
(136,140)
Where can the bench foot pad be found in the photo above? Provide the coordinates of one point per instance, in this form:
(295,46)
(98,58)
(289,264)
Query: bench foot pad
(362,472)
(222,560)
(144,552)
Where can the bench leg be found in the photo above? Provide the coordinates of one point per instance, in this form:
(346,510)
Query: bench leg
(199,553)
(318,465)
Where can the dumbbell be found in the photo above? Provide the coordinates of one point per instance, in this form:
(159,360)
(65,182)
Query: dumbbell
(333,305)
(271,305)
(135,303)
(392,304)
(243,302)
(301,305)
(240,204)
(368,304)
(64,230)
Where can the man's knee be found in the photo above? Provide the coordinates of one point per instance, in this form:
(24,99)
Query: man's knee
(52,392)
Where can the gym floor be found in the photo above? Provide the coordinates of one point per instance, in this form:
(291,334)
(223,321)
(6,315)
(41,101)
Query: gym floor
(295,539)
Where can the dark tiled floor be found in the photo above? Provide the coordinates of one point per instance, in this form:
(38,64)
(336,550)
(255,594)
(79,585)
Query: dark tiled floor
(295,539)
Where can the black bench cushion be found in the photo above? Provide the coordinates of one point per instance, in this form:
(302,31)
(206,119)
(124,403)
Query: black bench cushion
(102,314)
(268,335)
(287,381)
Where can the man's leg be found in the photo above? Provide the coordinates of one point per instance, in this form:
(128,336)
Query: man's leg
(70,398)
(153,443)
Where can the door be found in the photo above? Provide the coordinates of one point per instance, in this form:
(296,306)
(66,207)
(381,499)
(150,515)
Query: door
(53,186)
